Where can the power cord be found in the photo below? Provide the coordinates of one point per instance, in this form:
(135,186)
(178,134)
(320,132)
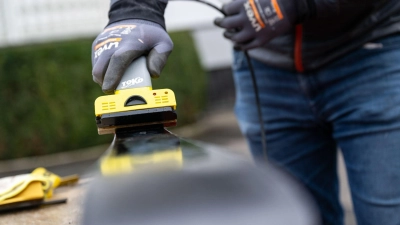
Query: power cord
(258,104)
(254,80)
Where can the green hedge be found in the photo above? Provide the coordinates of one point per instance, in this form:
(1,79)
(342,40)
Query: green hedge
(47,95)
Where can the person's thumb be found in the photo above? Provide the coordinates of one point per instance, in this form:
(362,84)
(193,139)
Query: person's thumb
(156,62)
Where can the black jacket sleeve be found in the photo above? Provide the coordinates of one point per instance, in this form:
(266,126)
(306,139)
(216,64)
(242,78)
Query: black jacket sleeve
(152,10)
(329,8)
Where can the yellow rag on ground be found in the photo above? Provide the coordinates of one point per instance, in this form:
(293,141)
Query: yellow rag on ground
(38,185)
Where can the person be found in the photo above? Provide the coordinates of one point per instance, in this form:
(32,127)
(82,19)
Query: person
(328,72)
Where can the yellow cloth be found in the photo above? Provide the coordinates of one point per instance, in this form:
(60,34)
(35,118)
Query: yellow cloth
(12,187)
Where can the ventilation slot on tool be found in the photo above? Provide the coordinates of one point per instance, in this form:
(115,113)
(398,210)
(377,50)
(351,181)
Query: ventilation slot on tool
(108,105)
(161,99)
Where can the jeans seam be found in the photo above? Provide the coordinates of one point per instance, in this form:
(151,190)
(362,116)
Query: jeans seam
(307,97)
(306,94)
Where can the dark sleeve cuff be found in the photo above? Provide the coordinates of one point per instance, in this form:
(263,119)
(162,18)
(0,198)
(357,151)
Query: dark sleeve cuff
(151,10)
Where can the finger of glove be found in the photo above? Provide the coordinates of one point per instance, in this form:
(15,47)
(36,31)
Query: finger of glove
(252,44)
(217,22)
(239,37)
(156,62)
(230,22)
(233,7)
(118,64)
(99,69)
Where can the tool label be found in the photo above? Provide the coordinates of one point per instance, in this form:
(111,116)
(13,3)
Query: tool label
(132,82)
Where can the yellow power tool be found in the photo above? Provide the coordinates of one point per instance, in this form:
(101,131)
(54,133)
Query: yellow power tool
(135,103)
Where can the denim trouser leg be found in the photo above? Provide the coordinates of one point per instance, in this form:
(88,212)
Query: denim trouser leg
(353,104)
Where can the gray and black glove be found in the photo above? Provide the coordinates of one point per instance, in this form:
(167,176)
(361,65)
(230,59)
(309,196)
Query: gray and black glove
(121,43)
(252,23)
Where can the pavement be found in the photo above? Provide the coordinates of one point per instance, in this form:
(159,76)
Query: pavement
(219,128)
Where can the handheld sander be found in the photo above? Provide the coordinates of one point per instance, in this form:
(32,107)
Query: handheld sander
(135,103)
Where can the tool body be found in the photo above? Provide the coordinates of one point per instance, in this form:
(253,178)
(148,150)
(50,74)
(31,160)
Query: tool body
(135,103)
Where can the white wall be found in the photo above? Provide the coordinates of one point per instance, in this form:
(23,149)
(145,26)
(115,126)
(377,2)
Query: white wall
(34,21)
(214,50)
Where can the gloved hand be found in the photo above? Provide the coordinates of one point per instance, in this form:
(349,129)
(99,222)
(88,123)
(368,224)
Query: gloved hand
(252,23)
(121,43)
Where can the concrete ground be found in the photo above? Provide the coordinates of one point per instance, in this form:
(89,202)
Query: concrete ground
(219,127)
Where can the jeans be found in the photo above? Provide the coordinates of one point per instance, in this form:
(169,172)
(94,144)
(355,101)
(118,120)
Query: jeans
(353,104)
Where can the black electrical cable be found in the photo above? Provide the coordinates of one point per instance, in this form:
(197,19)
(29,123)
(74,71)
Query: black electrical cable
(254,80)
(206,3)
(258,103)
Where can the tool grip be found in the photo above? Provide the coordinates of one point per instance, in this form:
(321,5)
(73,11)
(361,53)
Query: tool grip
(136,75)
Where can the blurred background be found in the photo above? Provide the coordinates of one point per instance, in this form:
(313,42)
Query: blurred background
(46,87)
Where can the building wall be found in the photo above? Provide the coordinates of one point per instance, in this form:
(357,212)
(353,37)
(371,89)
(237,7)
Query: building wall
(33,21)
